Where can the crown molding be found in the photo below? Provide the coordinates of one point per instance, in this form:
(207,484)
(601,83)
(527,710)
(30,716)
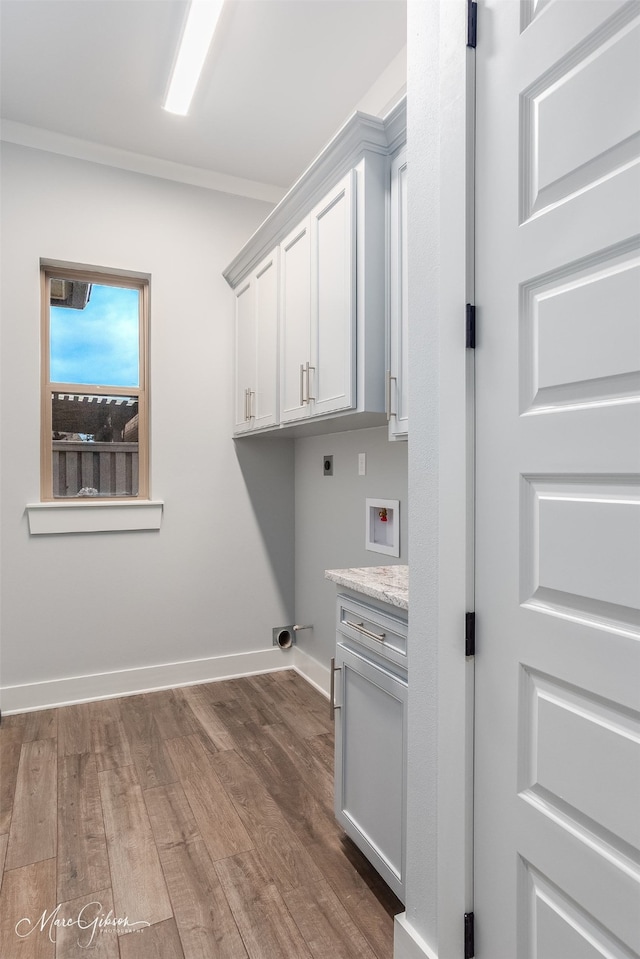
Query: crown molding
(51,142)
(361,134)
(395,123)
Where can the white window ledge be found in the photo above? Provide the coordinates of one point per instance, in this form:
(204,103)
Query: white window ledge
(87,517)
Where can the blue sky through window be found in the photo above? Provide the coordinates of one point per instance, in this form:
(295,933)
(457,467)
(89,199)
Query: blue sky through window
(99,345)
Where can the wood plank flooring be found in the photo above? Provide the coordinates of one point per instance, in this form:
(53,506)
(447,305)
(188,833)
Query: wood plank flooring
(204,815)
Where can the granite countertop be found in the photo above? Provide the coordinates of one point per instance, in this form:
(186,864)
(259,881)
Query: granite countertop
(388,584)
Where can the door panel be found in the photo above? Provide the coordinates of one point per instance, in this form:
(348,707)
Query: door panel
(574,350)
(556,927)
(557,781)
(564,149)
(557,720)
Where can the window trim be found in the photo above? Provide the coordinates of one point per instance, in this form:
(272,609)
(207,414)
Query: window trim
(140,282)
(94,516)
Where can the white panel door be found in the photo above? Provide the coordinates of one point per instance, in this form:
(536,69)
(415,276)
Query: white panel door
(332,381)
(557,766)
(264,401)
(244,355)
(295,323)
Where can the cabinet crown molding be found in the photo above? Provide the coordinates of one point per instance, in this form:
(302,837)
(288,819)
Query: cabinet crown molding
(361,134)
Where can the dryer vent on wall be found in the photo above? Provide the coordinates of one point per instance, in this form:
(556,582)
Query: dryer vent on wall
(285,636)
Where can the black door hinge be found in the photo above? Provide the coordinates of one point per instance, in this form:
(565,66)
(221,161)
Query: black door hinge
(470,326)
(470,634)
(469,948)
(472,23)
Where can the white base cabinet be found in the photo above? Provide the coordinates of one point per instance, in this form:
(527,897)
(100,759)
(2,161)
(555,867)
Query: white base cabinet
(370,708)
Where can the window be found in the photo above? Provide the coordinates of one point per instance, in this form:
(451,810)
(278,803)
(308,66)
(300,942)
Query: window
(94,394)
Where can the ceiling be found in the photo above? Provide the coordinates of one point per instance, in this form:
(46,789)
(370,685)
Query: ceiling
(280,78)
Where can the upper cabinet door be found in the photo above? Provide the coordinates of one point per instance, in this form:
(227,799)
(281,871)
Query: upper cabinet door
(256,371)
(331,379)
(263,402)
(295,325)
(398,387)
(245,354)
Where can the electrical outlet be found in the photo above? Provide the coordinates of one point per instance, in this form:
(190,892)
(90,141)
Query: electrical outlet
(327,465)
(362,464)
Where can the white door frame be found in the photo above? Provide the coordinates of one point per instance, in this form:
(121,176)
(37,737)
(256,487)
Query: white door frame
(440,739)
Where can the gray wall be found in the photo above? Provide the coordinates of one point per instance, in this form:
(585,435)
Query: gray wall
(220,570)
(330,521)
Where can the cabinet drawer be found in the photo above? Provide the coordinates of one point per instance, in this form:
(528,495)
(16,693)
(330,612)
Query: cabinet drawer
(382,633)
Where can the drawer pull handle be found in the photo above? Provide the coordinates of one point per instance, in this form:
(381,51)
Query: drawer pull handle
(367,632)
(332,703)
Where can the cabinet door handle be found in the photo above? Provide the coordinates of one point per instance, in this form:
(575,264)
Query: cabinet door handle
(360,627)
(309,396)
(250,394)
(332,697)
(387,399)
(246,417)
(302,399)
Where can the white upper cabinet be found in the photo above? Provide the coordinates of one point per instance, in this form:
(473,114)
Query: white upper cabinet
(317,312)
(397,401)
(256,367)
(330,236)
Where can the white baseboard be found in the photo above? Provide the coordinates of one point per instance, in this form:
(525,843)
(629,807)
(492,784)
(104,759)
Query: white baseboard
(407,944)
(314,672)
(143,679)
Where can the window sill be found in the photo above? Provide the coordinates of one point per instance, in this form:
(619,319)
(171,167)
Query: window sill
(87,517)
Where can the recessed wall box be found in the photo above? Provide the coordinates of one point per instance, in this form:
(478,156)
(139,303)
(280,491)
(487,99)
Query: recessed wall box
(383,526)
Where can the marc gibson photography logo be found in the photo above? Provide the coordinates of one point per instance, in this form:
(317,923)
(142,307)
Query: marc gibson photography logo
(90,920)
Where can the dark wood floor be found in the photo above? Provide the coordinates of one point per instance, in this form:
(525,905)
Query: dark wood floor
(206,812)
